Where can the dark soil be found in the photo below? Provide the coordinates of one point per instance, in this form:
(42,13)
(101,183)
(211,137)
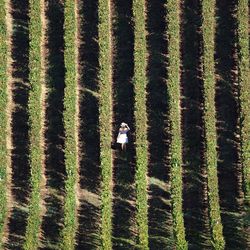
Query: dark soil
(19,71)
(88,236)
(195,196)
(124,234)
(229,167)
(159,210)
(54,131)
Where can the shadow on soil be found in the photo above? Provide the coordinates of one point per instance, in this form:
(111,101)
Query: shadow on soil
(19,155)
(195,200)
(124,230)
(89,213)
(229,167)
(159,210)
(54,131)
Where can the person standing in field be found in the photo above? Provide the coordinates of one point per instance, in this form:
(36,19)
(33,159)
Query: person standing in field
(122,137)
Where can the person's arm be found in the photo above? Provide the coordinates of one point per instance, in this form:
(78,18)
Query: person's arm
(118,134)
(127,127)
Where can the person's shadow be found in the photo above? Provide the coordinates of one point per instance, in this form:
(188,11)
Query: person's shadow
(114,145)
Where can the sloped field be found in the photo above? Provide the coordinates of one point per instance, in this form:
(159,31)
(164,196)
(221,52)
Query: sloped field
(177,72)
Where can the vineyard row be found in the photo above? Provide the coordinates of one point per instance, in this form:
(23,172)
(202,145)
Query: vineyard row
(62,96)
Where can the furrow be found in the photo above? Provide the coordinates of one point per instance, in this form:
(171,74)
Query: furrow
(229,166)
(89,212)
(124,228)
(160,221)
(52,219)
(195,190)
(18,122)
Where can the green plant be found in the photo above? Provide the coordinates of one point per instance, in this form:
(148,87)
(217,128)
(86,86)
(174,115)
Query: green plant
(70,124)
(175,147)
(243,66)
(208,29)
(3,118)
(36,124)
(105,116)
(140,82)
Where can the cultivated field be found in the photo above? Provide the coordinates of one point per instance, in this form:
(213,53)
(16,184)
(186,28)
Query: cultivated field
(177,72)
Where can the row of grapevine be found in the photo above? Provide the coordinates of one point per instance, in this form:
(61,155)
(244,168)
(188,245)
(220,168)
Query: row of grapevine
(243,36)
(175,147)
(71,114)
(140,82)
(208,29)
(140,221)
(105,117)
(36,115)
(243,67)
(3,118)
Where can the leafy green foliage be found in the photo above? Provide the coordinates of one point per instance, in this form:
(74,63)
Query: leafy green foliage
(35,112)
(243,66)
(3,117)
(71,116)
(243,37)
(70,125)
(208,28)
(105,116)
(140,81)
(175,148)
